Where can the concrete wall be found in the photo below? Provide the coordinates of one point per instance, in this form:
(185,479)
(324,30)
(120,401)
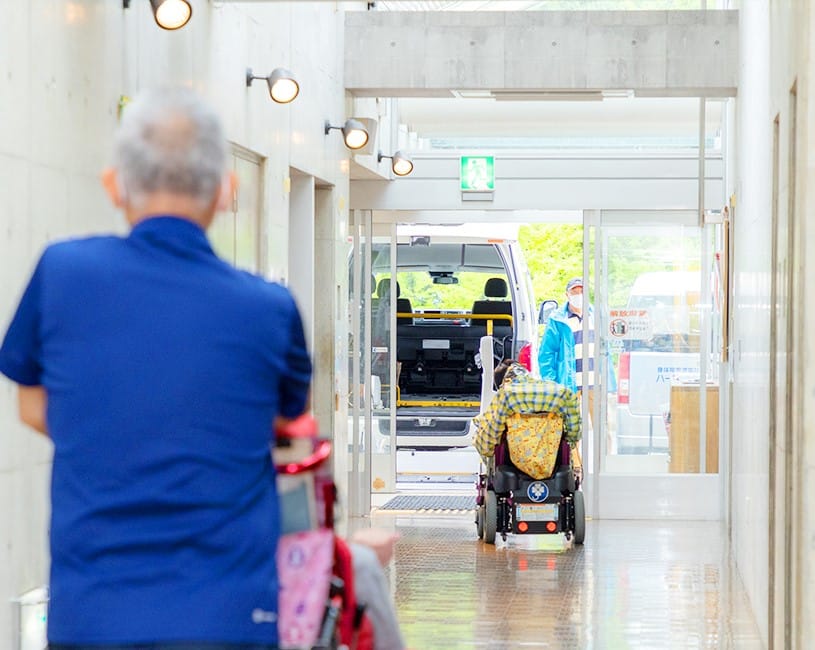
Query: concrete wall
(551,181)
(791,28)
(803,615)
(773,456)
(63,67)
(750,347)
(661,53)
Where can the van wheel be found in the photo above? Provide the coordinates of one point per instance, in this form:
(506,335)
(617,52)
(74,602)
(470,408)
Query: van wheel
(490,517)
(479,521)
(579,517)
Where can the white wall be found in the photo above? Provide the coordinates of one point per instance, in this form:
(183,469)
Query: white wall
(63,66)
(775,38)
(751,333)
(792,26)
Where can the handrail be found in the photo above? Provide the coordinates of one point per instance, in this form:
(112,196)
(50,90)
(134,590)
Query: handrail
(320,454)
(441,403)
(466,316)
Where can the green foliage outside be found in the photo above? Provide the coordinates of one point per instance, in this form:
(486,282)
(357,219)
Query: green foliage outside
(554,255)
(418,285)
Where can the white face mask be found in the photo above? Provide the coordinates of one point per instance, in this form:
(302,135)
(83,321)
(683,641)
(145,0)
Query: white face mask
(576,301)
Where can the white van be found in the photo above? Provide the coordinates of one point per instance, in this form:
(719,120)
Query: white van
(670,299)
(450,282)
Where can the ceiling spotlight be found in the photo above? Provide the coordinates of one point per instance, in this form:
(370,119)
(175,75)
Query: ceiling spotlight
(353,132)
(401,164)
(283,87)
(171,14)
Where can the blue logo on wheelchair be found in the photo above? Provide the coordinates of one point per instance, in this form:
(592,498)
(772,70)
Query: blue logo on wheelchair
(537,491)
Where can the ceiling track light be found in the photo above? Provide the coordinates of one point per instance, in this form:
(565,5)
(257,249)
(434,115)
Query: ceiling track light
(168,14)
(283,87)
(354,133)
(401,164)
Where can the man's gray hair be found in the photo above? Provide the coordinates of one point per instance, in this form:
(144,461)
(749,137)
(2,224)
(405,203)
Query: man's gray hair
(170,141)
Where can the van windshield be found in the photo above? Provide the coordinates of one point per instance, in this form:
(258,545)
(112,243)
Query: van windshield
(447,277)
(428,292)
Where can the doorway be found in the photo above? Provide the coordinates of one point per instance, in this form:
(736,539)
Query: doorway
(653,438)
(651,445)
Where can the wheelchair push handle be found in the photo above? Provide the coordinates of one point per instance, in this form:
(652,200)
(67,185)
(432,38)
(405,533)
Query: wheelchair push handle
(303,427)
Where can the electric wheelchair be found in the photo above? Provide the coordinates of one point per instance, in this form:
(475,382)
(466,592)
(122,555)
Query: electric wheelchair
(510,501)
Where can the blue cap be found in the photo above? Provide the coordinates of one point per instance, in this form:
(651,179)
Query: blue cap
(574,282)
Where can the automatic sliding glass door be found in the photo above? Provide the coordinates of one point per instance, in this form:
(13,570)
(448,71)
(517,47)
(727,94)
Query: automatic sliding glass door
(655,444)
(372,449)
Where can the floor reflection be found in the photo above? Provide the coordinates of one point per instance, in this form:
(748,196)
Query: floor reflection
(634,584)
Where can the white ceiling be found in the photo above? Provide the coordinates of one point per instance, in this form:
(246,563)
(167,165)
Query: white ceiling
(542,5)
(619,117)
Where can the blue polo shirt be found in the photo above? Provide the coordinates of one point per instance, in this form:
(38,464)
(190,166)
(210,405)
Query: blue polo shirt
(164,368)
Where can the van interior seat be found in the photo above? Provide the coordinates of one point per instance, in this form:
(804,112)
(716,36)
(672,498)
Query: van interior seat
(402,304)
(494,288)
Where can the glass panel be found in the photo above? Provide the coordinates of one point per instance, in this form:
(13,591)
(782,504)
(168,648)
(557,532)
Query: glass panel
(359,494)
(372,451)
(384,369)
(654,314)
(247,216)
(222,236)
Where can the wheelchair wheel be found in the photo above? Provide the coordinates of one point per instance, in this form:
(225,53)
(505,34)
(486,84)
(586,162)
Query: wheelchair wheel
(479,521)
(490,517)
(579,517)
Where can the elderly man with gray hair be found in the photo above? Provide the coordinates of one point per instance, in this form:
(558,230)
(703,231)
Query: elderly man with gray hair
(158,370)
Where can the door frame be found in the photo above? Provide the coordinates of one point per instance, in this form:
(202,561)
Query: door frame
(643,495)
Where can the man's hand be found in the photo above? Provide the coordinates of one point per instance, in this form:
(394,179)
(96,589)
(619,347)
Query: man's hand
(380,540)
(32,402)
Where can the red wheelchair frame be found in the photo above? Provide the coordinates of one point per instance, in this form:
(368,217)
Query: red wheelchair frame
(344,622)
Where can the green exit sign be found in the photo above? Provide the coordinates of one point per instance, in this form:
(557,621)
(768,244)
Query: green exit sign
(477,173)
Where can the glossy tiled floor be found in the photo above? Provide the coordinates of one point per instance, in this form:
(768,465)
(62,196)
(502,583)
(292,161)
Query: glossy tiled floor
(634,584)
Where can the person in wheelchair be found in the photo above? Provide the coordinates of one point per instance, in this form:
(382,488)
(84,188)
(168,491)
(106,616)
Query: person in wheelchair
(528,439)
(532,442)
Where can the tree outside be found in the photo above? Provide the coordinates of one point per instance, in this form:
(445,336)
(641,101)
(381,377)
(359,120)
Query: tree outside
(554,255)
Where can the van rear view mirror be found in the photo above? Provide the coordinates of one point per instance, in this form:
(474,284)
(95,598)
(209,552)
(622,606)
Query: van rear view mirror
(547,307)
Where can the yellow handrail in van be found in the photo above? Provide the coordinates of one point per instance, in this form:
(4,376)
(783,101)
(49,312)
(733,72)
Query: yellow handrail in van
(438,403)
(410,314)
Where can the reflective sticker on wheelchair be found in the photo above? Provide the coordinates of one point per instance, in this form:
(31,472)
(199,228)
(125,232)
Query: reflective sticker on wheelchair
(537,491)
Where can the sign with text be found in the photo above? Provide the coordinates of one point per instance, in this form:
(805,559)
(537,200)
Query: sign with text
(477,173)
(629,324)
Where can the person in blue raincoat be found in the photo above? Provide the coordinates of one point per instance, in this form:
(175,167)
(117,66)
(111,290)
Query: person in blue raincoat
(560,354)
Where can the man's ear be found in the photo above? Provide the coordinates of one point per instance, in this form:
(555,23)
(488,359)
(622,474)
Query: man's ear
(226,196)
(113,188)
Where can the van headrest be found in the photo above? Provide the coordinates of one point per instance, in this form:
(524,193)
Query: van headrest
(496,288)
(384,288)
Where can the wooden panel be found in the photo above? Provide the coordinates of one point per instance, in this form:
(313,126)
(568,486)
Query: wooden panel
(684,434)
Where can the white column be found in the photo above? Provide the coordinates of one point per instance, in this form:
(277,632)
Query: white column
(751,332)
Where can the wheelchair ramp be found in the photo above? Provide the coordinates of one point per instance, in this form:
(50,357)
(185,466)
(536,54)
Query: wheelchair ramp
(439,503)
